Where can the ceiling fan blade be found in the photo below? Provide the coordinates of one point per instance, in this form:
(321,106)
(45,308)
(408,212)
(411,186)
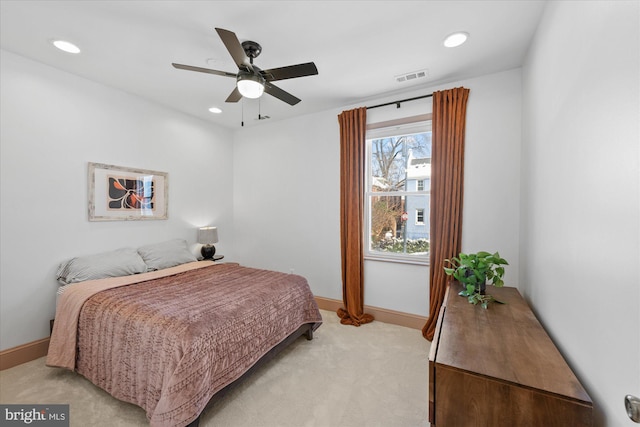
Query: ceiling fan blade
(290,72)
(280,94)
(234,96)
(234,47)
(203,70)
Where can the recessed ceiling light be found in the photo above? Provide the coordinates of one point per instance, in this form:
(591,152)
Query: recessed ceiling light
(215,110)
(456,39)
(66,46)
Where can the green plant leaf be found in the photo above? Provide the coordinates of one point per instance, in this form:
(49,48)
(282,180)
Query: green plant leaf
(477,268)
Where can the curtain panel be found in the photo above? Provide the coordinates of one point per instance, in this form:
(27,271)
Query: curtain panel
(352,181)
(447,174)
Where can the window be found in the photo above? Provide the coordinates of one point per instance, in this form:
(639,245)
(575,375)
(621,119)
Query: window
(397,193)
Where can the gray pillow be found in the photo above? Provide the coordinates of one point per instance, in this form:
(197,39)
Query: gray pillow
(121,262)
(166,254)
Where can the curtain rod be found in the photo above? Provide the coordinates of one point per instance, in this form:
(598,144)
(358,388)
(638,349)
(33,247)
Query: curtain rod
(401,101)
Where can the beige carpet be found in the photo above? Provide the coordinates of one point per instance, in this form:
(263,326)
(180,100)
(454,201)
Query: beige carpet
(374,375)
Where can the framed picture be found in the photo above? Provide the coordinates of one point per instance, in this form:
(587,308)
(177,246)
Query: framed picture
(123,194)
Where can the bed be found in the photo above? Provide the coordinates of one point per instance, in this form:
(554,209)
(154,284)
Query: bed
(168,339)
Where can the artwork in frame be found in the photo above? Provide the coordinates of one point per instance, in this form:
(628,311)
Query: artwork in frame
(122,194)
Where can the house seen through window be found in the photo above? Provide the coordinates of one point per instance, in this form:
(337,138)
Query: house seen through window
(398,193)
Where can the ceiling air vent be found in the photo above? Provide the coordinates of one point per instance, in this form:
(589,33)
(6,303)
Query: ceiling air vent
(412,76)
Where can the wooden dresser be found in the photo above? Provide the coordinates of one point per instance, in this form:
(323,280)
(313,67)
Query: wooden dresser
(498,367)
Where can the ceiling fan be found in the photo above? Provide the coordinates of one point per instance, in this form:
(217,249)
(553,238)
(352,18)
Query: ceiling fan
(251,81)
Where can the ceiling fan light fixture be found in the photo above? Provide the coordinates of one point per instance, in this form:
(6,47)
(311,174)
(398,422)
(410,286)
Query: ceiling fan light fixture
(250,85)
(456,39)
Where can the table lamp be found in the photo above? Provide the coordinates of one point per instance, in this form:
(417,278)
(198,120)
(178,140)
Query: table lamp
(207,236)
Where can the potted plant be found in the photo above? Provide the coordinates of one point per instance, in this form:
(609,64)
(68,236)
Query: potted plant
(473,271)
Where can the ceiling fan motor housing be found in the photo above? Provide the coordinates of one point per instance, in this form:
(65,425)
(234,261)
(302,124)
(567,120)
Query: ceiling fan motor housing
(246,75)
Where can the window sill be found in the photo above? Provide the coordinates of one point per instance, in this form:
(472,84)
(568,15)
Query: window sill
(397,260)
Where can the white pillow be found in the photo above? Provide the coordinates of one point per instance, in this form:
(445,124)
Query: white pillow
(121,262)
(166,254)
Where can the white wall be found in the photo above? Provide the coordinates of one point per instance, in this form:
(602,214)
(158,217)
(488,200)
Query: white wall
(580,226)
(286,181)
(286,193)
(490,214)
(52,124)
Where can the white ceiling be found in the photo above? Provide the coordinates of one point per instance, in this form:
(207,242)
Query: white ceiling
(358,47)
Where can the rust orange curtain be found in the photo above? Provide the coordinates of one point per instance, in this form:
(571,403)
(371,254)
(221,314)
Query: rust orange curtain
(447,173)
(352,167)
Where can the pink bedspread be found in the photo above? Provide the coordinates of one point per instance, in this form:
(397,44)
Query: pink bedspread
(168,344)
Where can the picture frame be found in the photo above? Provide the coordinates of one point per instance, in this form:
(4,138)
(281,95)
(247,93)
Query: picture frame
(119,193)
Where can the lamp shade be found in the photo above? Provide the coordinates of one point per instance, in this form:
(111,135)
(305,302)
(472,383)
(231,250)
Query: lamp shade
(208,235)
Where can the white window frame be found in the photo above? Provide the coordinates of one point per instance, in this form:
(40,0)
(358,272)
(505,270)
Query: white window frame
(418,212)
(411,125)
